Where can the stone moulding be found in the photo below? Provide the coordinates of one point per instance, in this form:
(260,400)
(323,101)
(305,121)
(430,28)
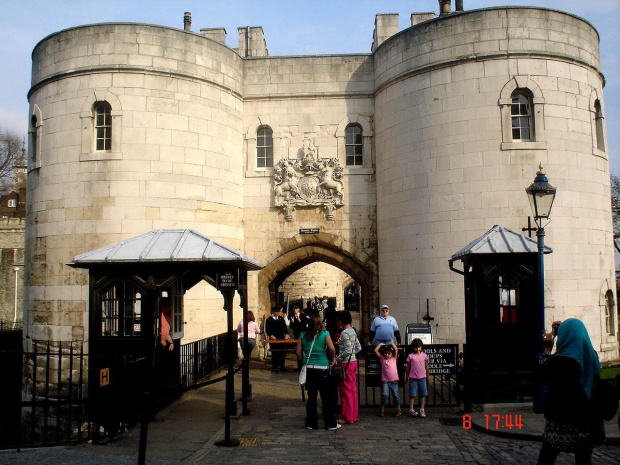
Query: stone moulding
(309,181)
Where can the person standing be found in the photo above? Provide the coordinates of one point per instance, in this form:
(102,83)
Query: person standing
(299,322)
(253,330)
(388,355)
(317,352)
(349,345)
(417,372)
(572,424)
(275,328)
(384,328)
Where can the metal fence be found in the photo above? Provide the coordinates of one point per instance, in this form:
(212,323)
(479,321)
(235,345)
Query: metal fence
(52,410)
(200,359)
(7,325)
(441,388)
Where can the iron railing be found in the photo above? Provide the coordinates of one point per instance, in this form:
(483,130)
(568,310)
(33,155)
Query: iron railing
(52,410)
(200,359)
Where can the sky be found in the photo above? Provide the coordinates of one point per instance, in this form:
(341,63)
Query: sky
(291,27)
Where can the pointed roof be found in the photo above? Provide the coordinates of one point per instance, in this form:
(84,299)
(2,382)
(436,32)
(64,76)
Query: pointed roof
(499,240)
(165,245)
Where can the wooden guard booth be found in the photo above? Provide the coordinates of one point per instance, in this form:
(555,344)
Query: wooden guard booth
(501,315)
(127,283)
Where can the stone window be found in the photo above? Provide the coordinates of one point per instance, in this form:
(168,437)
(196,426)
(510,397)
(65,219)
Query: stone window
(34,135)
(264,147)
(598,126)
(521,116)
(609,313)
(103,126)
(353,142)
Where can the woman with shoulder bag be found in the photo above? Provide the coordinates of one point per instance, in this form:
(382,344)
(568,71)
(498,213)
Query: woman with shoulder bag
(316,350)
(572,424)
(349,345)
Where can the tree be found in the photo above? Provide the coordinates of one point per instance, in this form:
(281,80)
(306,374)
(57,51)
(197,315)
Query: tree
(615,208)
(10,151)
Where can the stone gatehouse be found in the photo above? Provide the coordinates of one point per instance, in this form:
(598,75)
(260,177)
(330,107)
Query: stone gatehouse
(381,165)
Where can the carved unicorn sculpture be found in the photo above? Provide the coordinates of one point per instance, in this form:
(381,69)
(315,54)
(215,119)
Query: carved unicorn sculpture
(328,184)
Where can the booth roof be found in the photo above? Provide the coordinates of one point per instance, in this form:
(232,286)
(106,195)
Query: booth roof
(498,240)
(165,245)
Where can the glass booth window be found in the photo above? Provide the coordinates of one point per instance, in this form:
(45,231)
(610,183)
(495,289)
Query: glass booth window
(121,311)
(508,301)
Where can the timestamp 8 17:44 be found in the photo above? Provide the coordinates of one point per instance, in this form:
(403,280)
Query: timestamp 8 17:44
(497,422)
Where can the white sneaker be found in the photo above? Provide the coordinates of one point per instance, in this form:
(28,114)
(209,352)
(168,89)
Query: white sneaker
(413,413)
(422,413)
(334,428)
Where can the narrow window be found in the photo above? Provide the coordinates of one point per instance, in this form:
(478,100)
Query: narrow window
(353,144)
(598,119)
(33,131)
(508,302)
(103,126)
(264,147)
(609,313)
(521,114)
(12,203)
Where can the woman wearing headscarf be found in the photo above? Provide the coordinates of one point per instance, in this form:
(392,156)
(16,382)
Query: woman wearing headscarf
(572,425)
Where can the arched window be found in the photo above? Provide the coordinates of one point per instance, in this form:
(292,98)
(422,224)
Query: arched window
(353,142)
(521,116)
(103,126)
(598,124)
(34,141)
(264,147)
(609,312)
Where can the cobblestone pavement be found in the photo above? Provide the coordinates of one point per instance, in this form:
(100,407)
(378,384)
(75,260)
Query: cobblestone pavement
(274,434)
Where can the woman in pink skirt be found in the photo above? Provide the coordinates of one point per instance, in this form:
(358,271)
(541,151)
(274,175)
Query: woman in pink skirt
(349,345)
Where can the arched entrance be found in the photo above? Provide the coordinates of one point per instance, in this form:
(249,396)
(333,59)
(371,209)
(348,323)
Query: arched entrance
(294,259)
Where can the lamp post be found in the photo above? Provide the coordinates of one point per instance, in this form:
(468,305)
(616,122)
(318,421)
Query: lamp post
(541,195)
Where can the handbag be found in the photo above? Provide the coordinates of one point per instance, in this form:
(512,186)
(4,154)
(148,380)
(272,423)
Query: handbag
(340,373)
(302,372)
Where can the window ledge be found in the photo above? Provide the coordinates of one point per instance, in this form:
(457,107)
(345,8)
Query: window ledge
(524,145)
(101,156)
(609,345)
(268,173)
(358,170)
(599,153)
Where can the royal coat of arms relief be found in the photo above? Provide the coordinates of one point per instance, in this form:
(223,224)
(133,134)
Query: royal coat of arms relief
(308,181)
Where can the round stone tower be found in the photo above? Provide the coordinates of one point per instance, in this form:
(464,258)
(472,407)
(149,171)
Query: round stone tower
(466,107)
(133,128)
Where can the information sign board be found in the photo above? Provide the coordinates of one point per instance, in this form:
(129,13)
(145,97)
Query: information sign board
(442,358)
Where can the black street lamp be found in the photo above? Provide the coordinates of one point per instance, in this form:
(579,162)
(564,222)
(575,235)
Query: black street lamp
(541,195)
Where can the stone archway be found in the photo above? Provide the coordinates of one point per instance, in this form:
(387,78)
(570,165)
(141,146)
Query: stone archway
(297,257)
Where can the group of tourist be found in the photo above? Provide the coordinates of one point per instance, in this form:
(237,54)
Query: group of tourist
(572,425)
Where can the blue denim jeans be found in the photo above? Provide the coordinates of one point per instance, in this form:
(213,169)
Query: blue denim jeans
(321,382)
(386,388)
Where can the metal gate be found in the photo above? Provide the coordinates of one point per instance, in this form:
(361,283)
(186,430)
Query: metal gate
(442,386)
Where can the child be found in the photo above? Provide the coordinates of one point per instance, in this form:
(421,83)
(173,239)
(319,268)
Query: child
(417,371)
(389,376)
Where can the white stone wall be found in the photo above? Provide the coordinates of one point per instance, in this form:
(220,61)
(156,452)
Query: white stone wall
(444,177)
(309,97)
